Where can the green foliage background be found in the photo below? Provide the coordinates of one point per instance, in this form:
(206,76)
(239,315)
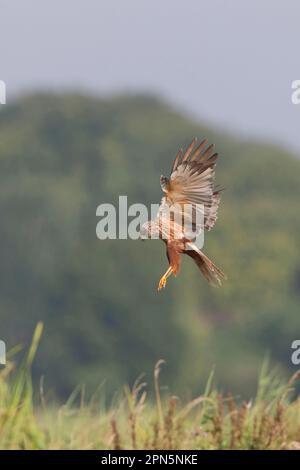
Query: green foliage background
(61,155)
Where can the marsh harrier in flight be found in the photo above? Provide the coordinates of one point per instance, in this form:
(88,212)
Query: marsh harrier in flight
(189,207)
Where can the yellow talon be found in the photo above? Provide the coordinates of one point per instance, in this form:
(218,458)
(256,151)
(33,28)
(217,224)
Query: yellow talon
(162,283)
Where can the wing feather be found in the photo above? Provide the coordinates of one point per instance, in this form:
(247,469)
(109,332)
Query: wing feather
(192,180)
(208,152)
(189,150)
(199,149)
(178,159)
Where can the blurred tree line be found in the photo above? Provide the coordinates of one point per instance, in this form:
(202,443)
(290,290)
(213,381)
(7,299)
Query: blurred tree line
(61,155)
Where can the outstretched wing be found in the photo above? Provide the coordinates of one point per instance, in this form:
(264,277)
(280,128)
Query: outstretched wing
(192,180)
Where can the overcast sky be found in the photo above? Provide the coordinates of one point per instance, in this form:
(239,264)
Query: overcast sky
(229,62)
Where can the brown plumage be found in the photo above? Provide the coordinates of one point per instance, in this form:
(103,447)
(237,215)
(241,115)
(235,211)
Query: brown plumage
(189,192)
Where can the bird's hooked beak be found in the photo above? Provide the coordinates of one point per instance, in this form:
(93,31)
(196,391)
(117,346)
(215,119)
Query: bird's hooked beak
(164,183)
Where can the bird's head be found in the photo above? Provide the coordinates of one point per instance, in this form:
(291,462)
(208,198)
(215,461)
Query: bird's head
(164,183)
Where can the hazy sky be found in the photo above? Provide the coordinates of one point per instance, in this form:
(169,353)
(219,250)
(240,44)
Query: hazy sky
(229,62)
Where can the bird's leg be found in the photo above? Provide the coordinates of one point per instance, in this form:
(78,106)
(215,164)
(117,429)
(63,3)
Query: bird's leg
(163,281)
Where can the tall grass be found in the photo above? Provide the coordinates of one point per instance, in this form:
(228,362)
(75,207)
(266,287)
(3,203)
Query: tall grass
(18,425)
(211,421)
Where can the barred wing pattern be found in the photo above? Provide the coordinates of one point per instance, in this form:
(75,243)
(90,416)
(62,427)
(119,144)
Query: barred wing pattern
(191,184)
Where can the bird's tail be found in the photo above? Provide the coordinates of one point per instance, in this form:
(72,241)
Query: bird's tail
(210,271)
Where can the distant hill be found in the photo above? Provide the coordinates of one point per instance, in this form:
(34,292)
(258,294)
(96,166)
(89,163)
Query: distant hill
(63,154)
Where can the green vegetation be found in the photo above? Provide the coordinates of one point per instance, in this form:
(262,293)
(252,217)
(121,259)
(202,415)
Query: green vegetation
(61,155)
(135,421)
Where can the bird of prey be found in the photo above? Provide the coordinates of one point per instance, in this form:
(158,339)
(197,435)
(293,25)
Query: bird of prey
(190,185)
